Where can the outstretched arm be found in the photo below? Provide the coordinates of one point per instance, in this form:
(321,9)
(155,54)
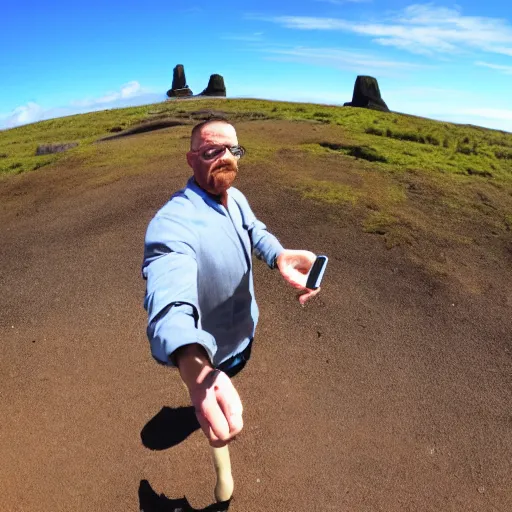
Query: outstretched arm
(293,265)
(176,338)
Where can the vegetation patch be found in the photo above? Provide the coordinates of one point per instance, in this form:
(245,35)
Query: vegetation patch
(328,192)
(503,154)
(323,117)
(364,152)
(477,172)
(422,138)
(404,142)
(379,223)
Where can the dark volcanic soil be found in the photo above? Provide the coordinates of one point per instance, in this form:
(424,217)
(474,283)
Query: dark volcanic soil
(392,391)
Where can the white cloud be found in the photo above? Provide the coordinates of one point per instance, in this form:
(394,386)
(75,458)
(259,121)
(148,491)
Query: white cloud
(341,59)
(129,90)
(488,113)
(450,105)
(421,28)
(505,69)
(23,114)
(129,94)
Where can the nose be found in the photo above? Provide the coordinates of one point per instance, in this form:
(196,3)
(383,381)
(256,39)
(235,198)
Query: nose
(226,156)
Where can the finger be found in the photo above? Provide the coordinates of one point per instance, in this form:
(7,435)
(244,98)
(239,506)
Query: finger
(219,443)
(214,416)
(294,277)
(230,403)
(303,298)
(206,428)
(306,262)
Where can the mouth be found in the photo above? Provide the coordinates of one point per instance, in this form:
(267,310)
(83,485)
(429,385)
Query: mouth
(225,168)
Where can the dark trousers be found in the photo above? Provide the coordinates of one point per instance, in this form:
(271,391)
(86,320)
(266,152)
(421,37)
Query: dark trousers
(236,363)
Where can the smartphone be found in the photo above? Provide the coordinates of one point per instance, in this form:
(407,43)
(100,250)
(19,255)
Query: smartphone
(316,272)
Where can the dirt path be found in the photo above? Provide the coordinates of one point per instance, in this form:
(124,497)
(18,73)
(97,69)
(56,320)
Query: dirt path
(391,392)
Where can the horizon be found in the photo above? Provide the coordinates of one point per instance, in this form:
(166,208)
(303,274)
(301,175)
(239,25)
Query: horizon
(447,62)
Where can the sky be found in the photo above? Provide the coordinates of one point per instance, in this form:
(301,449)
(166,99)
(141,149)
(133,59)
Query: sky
(443,60)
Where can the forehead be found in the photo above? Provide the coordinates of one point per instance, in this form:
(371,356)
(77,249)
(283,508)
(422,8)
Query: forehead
(216,133)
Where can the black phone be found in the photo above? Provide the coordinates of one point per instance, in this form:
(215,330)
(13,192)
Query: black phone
(316,272)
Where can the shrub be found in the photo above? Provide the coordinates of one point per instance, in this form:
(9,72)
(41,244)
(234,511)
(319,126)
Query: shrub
(503,154)
(464,149)
(374,131)
(432,139)
(366,153)
(478,172)
(363,152)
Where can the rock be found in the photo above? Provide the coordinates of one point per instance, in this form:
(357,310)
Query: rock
(179,93)
(215,87)
(179,83)
(47,149)
(367,94)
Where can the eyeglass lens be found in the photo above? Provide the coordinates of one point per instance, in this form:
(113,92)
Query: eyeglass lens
(237,151)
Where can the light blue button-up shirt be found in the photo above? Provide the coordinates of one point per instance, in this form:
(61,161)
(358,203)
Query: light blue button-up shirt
(198,267)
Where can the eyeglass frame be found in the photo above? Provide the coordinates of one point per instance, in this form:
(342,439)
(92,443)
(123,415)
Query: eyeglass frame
(225,146)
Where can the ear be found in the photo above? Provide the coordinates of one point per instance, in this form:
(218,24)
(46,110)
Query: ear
(191,159)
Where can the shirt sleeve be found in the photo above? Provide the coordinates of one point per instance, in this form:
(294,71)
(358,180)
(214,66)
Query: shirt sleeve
(171,299)
(265,245)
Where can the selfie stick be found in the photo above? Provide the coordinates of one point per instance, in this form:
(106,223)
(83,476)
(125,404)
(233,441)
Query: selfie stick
(222,463)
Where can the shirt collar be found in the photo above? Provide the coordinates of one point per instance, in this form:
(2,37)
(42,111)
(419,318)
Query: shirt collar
(208,198)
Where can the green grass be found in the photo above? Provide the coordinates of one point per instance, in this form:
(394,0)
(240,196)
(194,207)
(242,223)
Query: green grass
(398,140)
(326,191)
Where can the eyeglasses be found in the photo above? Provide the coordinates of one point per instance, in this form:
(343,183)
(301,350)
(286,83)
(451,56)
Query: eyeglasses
(212,152)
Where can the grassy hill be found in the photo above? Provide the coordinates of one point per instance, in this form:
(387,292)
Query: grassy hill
(429,187)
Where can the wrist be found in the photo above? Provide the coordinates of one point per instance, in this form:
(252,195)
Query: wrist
(193,364)
(278,258)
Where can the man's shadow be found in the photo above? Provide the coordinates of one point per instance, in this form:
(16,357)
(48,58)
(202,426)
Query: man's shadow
(150,501)
(168,428)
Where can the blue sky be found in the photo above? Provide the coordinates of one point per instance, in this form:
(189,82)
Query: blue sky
(440,60)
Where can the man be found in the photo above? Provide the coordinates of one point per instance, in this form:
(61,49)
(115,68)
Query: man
(202,314)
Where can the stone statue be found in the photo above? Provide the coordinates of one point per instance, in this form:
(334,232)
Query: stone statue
(179,83)
(215,87)
(367,94)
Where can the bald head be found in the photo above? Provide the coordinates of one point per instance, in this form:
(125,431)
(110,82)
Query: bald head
(203,128)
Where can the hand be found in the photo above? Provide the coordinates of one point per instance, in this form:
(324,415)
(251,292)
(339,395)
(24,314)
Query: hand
(294,267)
(218,407)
